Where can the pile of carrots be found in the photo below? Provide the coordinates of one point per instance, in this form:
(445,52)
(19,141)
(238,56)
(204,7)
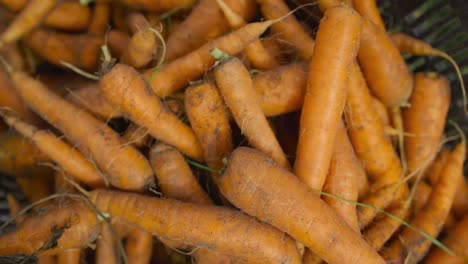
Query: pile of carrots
(225,131)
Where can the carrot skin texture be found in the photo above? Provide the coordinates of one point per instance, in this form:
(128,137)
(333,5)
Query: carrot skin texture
(106,246)
(100,19)
(124,87)
(196,225)
(385,70)
(261,188)
(125,167)
(69,16)
(337,42)
(237,90)
(69,257)
(369,9)
(190,67)
(432,217)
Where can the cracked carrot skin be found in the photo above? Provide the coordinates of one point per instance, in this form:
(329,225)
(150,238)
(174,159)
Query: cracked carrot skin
(336,46)
(125,167)
(203,226)
(125,88)
(263,189)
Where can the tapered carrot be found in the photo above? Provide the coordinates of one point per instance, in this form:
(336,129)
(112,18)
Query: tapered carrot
(425,119)
(236,87)
(106,247)
(421,196)
(372,147)
(337,42)
(197,225)
(205,22)
(370,10)
(123,86)
(100,19)
(91,98)
(73,224)
(457,241)
(81,50)
(69,257)
(433,172)
(342,178)
(381,111)
(30,17)
(411,245)
(210,122)
(142,46)
(139,246)
(179,72)
(289,28)
(125,167)
(281,90)
(67,157)
(265,190)
(257,55)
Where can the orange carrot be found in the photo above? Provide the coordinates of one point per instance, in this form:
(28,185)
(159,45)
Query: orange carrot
(100,19)
(46,259)
(421,196)
(30,17)
(80,50)
(342,178)
(137,136)
(205,22)
(141,48)
(69,257)
(159,6)
(370,10)
(196,225)
(125,167)
(190,67)
(14,5)
(69,16)
(68,158)
(411,246)
(117,42)
(425,119)
(123,86)
(289,28)
(460,201)
(265,190)
(236,87)
(106,246)
(14,56)
(324,5)
(381,111)
(433,172)
(457,241)
(138,246)
(317,131)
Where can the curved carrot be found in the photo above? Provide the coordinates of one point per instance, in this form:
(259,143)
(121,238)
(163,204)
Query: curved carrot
(265,190)
(197,224)
(370,10)
(30,17)
(68,158)
(289,28)
(317,130)
(125,167)
(123,86)
(100,19)
(236,87)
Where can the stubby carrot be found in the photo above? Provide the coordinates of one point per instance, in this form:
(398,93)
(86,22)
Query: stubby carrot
(179,72)
(30,17)
(289,28)
(411,246)
(100,19)
(142,46)
(205,22)
(203,226)
(235,85)
(124,87)
(67,157)
(369,9)
(125,167)
(90,97)
(337,42)
(425,120)
(263,189)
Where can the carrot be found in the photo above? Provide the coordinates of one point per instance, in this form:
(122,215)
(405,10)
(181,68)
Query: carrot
(460,201)
(457,241)
(125,167)
(139,246)
(289,28)
(317,131)
(281,90)
(117,42)
(100,19)
(190,67)
(197,29)
(265,190)
(256,54)
(141,48)
(30,17)
(414,46)
(106,246)
(210,122)
(123,86)
(197,225)
(90,97)
(372,147)
(342,178)
(69,257)
(411,245)
(324,5)
(433,172)
(14,57)
(425,119)
(138,136)
(72,224)
(236,87)
(281,50)
(46,260)
(158,6)
(69,16)
(81,50)
(381,111)
(14,5)
(370,10)
(421,196)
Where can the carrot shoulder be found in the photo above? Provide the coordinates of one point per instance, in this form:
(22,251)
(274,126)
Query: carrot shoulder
(336,46)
